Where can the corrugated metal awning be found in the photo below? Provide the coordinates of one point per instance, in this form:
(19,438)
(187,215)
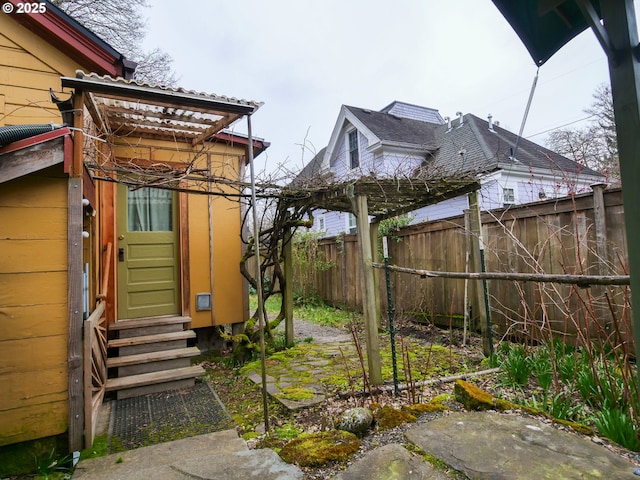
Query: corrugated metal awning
(126,107)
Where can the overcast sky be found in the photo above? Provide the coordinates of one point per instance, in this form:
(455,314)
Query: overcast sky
(305,58)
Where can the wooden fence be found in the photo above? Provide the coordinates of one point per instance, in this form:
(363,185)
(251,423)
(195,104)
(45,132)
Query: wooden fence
(581,235)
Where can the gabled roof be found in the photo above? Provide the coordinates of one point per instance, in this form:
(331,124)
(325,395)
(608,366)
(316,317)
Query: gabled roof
(71,37)
(394,130)
(474,147)
(382,129)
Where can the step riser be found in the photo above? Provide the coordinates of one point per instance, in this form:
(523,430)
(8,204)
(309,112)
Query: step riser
(137,332)
(158,387)
(152,347)
(163,360)
(153,367)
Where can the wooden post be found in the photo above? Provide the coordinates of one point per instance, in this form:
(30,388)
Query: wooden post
(478,297)
(600,227)
(343,270)
(74,281)
(375,257)
(78,134)
(287,294)
(624,69)
(74,313)
(368,291)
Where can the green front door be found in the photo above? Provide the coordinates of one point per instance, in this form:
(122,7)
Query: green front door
(148,260)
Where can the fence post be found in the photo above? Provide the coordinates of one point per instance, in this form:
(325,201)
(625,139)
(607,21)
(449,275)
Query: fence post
(368,292)
(375,257)
(600,226)
(480,296)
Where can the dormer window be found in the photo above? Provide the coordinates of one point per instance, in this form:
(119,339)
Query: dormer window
(354,152)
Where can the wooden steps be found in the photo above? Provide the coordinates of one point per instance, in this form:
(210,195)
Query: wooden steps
(154,378)
(146,339)
(151,355)
(129,360)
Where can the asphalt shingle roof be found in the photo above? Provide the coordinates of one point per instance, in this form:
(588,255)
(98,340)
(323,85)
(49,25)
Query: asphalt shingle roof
(391,128)
(473,147)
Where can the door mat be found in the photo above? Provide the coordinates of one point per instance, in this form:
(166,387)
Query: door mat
(166,416)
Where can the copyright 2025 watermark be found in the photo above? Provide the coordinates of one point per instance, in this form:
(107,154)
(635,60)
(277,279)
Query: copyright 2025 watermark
(24,7)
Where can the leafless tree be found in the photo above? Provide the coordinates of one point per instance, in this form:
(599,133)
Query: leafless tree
(123,25)
(595,145)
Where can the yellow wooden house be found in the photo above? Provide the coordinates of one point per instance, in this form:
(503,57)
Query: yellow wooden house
(119,227)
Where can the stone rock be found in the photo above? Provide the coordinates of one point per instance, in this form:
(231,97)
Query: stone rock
(391,462)
(355,420)
(474,398)
(494,446)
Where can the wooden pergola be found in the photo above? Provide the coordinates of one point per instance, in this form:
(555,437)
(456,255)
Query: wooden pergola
(379,198)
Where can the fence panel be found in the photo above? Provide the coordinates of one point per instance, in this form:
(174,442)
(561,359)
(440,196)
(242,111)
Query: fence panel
(555,236)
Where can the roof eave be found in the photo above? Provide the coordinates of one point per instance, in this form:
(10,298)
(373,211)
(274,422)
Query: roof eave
(68,35)
(155,95)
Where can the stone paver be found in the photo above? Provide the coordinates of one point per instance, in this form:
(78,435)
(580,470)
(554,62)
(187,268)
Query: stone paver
(323,361)
(216,456)
(391,462)
(492,446)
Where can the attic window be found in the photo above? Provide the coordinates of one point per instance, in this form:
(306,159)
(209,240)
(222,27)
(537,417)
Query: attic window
(354,153)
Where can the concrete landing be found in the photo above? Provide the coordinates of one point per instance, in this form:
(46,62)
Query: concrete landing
(216,456)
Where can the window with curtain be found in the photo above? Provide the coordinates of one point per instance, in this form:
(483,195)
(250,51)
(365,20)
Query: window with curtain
(149,209)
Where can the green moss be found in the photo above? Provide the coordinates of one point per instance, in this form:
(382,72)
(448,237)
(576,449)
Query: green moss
(474,398)
(316,449)
(578,427)
(420,408)
(442,398)
(389,417)
(250,435)
(287,431)
(296,394)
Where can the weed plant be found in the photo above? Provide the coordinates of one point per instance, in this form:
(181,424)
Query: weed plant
(54,466)
(584,384)
(515,365)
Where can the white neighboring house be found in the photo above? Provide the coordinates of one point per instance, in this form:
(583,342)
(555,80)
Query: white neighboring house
(401,138)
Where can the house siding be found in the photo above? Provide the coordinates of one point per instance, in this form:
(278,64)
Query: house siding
(448,208)
(218,253)
(415,112)
(33,308)
(29,67)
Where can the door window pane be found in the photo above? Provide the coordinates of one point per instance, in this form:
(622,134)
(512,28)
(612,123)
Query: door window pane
(149,209)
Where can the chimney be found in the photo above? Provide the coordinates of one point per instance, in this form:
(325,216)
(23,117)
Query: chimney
(459,114)
(448,120)
(490,117)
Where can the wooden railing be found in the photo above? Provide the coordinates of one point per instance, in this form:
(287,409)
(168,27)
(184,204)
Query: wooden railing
(95,356)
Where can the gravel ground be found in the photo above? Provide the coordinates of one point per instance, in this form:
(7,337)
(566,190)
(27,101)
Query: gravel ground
(370,442)
(303,329)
